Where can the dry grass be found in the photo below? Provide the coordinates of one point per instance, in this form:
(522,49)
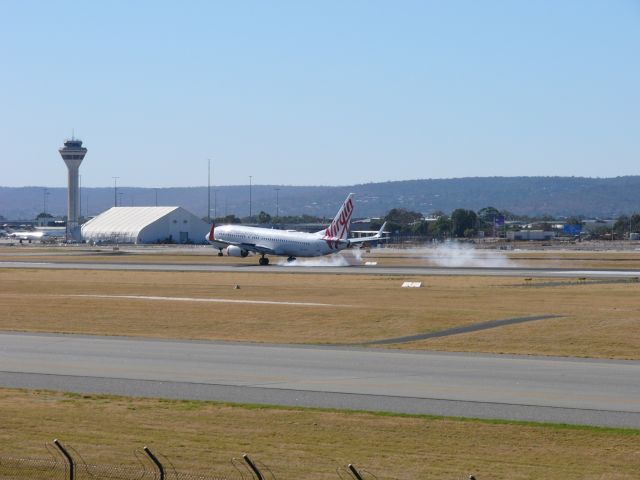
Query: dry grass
(599,320)
(306,443)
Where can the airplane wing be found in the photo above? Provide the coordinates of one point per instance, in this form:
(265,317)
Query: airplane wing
(253,247)
(378,236)
(249,247)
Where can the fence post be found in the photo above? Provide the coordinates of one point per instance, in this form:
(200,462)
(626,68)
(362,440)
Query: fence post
(253,466)
(68,457)
(354,472)
(155,461)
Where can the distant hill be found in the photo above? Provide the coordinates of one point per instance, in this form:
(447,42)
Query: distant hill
(601,197)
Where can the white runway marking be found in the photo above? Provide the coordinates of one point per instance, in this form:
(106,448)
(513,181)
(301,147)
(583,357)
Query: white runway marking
(211,300)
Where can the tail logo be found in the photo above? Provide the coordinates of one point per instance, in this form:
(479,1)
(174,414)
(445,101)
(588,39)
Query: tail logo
(339,228)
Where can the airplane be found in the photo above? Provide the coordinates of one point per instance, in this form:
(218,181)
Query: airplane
(28,235)
(239,240)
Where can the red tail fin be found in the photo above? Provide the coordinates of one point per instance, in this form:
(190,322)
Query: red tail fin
(339,228)
(211,233)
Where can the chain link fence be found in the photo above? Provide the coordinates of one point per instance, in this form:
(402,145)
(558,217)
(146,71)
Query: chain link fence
(32,468)
(65,463)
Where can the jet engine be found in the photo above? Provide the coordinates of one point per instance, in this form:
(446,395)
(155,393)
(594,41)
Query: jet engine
(234,251)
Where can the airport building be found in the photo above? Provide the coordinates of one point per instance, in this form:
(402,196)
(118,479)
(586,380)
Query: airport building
(145,225)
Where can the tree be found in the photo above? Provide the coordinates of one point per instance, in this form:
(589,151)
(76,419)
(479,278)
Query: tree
(470,233)
(264,217)
(626,224)
(420,228)
(228,219)
(441,228)
(462,220)
(487,216)
(300,219)
(402,220)
(487,220)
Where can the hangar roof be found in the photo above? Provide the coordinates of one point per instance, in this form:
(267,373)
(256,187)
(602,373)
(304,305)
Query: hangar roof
(124,221)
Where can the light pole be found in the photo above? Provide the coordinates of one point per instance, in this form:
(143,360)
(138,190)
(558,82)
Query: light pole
(45,194)
(115,191)
(215,204)
(250,177)
(209,189)
(277,204)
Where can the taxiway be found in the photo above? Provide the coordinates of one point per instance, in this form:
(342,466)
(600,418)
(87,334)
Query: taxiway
(567,390)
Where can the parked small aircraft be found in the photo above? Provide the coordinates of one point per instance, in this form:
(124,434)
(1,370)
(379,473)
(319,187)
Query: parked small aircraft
(239,240)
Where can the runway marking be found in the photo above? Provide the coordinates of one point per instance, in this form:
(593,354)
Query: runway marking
(457,330)
(195,299)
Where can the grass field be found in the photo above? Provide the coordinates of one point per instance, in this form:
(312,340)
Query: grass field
(596,320)
(310,444)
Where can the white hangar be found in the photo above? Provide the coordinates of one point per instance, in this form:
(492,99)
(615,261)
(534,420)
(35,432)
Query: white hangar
(145,225)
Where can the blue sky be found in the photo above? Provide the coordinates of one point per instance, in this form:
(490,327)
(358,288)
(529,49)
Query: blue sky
(311,93)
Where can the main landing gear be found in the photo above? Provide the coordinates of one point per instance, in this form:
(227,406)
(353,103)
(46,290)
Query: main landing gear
(291,259)
(263,260)
(220,252)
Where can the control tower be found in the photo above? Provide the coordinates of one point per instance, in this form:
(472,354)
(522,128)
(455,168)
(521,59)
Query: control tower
(73,153)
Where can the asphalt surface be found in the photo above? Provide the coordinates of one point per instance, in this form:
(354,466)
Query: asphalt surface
(580,391)
(343,270)
(475,327)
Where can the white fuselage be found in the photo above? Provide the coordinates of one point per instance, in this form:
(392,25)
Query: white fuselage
(281,242)
(28,235)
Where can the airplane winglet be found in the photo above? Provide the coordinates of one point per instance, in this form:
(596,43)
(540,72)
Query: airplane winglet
(381,231)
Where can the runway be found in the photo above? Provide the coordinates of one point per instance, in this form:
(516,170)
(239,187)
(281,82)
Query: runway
(578,391)
(342,270)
